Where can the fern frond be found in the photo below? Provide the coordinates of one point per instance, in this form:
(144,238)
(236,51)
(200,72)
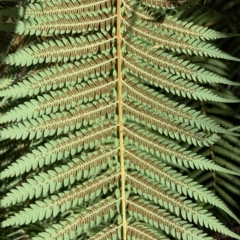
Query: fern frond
(230,179)
(61,203)
(228,186)
(6,82)
(60,100)
(62,50)
(62,122)
(213,65)
(141,231)
(112,114)
(149,97)
(76,224)
(56,77)
(177,204)
(156,170)
(229,153)
(232,139)
(83,167)
(176,26)
(175,43)
(171,83)
(168,4)
(227,197)
(61,24)
(227,164)
(36,9)
(55,150)
(5,39)
(171,24)
(144,211)
(170,63)
(108,233)
(169,151)
(133,7)
(152,119)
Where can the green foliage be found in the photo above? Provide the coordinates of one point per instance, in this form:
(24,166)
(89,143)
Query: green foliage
(118,120)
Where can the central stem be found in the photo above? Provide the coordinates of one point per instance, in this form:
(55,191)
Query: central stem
(120,115)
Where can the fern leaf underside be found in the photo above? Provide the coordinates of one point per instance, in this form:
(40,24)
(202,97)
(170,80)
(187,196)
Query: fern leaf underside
(108,137)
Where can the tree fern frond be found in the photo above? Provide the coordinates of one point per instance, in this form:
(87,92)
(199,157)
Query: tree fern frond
(65,200)
(149,97)
(6,82)
(55,150)
(142,210)
(227,197)
(169,23)
(36,10)
(178,205)
(132,7)
(5,39)
(57,77)
(76,224)
(141,231)
(83,167)
(155,169)
(59,123)
(116,120)
(169,151)
(60,100)
(228,186)
(176,43)
(62,50)
(111,232)
(213,65)
(61,24)
(168,4)
(227,164)
(230,179)
(172,64)
(171,83)
(232,139)
(166,126)
(227,153)
(187,29)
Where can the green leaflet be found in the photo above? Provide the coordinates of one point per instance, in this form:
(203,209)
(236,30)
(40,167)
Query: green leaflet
(56,124)
(175,43)
(65,200)
(59,24)
(168,4)
(58,149)
(60,100)
(159,102)
(171,64)
(178,205)
(168,150)
(171,83)
(163,220)
(62,50)
(56,77)
(111,232)
(174,129)
(141,230)
(106,209)
(161,172)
